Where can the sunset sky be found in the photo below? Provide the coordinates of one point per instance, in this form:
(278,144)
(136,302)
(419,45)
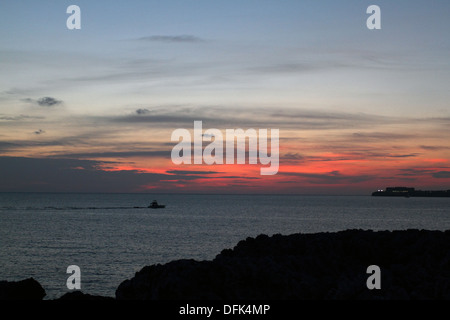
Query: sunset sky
(93,110)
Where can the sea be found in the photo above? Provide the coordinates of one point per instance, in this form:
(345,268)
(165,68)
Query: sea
(112,236)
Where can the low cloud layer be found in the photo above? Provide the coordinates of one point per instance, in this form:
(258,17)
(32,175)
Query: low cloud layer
(69,175)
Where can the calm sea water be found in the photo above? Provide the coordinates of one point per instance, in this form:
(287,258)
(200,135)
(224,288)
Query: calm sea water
(111,236)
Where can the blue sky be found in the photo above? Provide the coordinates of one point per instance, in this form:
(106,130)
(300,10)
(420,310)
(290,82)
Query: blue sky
(293,51)
(248,62)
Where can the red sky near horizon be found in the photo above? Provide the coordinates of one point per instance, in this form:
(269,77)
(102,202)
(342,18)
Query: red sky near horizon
(311,161)
(93,110)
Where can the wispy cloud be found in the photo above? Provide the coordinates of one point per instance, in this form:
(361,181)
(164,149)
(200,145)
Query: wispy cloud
(414,172)
(295,67)
(435,148)
(172,38)
(332,177)
(292,156)
(191,172)
(249,117)
(441,175)
(351,156)
(44,102)
(48,102)
(118,154)
(381,136)
(20,117)
(142,111)
(300,119)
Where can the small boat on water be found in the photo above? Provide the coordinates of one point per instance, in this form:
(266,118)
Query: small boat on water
(155,205)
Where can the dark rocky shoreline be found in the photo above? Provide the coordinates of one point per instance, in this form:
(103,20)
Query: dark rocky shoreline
(415,264)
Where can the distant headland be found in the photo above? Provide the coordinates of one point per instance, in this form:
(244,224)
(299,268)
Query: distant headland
(410,192)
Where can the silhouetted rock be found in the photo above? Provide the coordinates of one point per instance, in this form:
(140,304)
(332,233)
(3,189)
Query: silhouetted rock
(414,265)
(79,295)
(28,289)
